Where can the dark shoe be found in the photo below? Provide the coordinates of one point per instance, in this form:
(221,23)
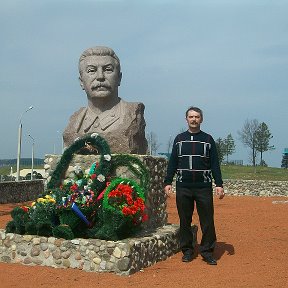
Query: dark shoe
(187,257)
(210,260)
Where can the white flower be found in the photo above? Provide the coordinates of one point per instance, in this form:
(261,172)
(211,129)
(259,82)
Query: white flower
(107,157)
(77,169)
(101,178)
(94,135)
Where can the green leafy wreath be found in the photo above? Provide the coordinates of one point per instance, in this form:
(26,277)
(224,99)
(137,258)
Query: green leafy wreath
(135,165)
(104,167)
(122,212)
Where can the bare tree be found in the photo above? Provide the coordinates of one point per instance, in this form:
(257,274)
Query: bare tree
(247,136)
(153,144)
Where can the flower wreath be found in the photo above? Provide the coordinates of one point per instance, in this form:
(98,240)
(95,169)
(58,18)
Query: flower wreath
(123,211)
(125,197)
(64,209)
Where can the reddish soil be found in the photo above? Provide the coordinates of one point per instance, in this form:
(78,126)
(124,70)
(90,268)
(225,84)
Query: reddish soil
(252,251)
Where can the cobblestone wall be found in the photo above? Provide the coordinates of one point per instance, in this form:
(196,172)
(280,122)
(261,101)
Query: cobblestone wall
(121,257)
(22,191)
(253,187)
(256,188)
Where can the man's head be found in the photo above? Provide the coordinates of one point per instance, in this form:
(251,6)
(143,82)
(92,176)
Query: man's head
(100,72)
(194,118)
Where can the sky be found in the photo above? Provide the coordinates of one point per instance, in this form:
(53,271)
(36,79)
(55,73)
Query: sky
(229,58)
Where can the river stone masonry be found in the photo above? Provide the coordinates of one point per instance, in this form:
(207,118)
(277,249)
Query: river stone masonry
(235,187)
(255,188)
(122,257)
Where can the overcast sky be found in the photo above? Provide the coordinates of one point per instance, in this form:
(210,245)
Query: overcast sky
(229,57)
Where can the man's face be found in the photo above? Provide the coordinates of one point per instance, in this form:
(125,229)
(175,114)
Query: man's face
(194,120)
(100,77)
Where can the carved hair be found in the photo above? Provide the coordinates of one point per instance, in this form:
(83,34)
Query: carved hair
(196,109)
(99,51)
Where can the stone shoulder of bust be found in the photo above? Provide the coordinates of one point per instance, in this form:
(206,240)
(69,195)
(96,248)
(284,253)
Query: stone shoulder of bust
(122,127)
(129,109)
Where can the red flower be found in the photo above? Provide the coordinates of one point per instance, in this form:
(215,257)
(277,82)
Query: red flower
(107,183)
(25,209)
(74,187)
(93,176)
(125,198)
(144,217)
(126,211)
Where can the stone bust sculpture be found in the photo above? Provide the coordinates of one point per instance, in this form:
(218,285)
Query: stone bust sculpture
(121,123)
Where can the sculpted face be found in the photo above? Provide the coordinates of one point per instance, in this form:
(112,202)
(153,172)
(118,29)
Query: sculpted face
(194,120)
(100,76)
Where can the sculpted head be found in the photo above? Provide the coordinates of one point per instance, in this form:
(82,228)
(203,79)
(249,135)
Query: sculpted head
(100,73)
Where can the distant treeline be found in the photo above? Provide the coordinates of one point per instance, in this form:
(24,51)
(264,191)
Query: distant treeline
(23,162)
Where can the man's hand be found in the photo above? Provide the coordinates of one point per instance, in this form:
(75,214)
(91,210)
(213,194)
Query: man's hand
(168,190)
(220,192)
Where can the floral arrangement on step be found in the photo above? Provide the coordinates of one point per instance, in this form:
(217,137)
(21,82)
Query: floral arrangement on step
(94,204)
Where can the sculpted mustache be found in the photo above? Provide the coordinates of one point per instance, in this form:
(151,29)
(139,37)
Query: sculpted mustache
(100,85)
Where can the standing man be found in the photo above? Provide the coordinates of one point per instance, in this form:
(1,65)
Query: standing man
(194,158)
(121,123)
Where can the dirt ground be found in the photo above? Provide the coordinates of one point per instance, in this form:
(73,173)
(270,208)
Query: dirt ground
(252,251)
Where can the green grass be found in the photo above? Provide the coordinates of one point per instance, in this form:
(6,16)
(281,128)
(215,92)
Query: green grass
(250,173)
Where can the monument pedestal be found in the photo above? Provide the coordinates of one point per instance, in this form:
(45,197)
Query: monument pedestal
(122,257)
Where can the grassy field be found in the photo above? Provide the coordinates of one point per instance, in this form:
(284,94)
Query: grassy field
(228,172)
(250,173)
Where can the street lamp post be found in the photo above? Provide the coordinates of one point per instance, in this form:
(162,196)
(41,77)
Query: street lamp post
(20,142)
(32,159)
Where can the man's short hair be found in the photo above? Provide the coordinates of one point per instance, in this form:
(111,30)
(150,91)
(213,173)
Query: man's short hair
(196,109)
(99,51)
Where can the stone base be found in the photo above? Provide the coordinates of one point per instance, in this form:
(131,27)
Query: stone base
(122,257)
